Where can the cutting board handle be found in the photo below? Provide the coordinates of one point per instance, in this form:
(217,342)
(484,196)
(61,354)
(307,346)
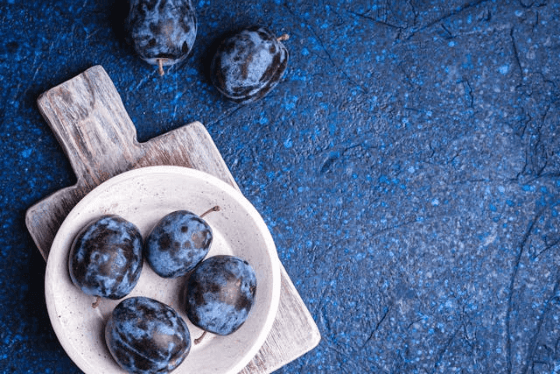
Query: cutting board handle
(91,124)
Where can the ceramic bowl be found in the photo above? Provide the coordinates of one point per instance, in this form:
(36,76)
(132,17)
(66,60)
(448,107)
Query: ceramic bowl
(143,196)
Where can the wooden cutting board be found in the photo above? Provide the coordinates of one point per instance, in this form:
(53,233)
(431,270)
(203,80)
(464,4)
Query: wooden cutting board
(91,124)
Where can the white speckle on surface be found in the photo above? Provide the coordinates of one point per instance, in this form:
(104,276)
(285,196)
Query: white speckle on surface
(492,237)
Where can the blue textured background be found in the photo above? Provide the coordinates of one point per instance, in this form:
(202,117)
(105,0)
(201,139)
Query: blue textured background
(408,167)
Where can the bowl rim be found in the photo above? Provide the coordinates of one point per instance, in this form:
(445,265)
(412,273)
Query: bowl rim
(270,248)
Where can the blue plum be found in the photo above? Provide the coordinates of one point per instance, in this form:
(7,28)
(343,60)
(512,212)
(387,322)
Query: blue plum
(177,243)
(220,294)
(249,64)
(162,32)
(105,258)
(146,336)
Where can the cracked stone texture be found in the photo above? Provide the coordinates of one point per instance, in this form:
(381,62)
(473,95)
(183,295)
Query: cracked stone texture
(408,167)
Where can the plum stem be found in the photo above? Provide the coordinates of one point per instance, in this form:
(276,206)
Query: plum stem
(199,339)
(96,303)
(213,209)
(283,37)
(160,66)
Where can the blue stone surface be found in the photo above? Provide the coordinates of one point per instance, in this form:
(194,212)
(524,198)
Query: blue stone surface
(407,165)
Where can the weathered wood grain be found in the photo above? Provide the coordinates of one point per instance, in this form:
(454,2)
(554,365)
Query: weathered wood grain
(91,124)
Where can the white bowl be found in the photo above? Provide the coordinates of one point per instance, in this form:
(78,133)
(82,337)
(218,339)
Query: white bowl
(143,196)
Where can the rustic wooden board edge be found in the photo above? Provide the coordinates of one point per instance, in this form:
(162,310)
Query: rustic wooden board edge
(303,331)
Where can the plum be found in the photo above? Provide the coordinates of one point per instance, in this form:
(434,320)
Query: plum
(249,64)
(220,293)
(177,243)
(162,32)
(105,258)
(146,336)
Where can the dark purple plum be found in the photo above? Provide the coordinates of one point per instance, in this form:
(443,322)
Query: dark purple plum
(177,243)
(105,258)
(249,64)
(162,32)
(146,336)
(220,293)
